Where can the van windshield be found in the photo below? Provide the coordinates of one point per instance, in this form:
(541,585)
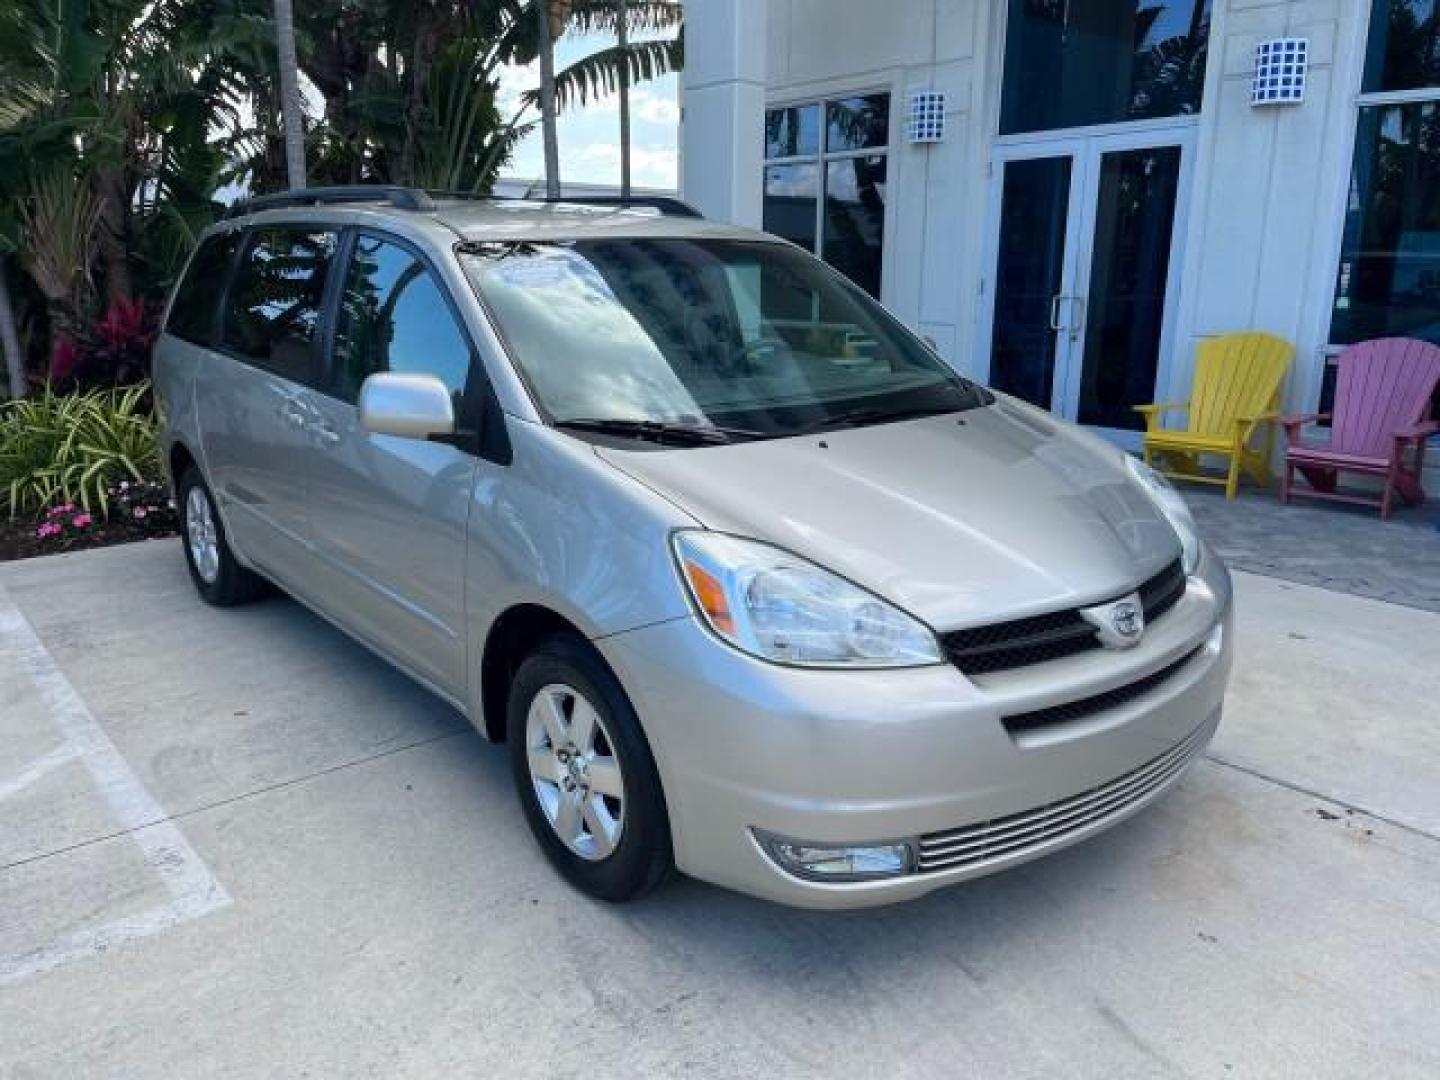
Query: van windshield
(723,338)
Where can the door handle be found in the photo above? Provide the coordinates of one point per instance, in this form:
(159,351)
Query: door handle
(1055,311)
(326,434)
(1077,316)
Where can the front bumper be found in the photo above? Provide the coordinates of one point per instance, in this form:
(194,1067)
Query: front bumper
(876,756)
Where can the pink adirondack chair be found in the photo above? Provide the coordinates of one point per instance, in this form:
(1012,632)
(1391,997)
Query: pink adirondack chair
(1382,405)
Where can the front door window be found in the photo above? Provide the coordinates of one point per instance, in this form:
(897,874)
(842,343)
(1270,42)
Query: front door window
(1129,266)
(1084,275)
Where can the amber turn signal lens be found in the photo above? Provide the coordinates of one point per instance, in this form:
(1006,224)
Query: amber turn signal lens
(710,595)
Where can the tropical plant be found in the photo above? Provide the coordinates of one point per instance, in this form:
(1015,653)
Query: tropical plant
(73,447)
(618,68)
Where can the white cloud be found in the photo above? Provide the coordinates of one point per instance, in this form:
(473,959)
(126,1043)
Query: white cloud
(649,107)
(599,163)
(589,134)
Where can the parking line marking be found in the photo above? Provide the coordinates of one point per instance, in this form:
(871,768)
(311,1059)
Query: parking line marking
(37,770)
(194,890)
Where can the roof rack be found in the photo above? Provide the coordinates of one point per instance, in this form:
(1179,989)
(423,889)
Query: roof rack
(406,198)
(402,198)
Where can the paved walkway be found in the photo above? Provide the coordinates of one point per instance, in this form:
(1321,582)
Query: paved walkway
(233,843)
(1344,548)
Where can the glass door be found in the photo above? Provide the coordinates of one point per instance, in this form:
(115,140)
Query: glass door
(1085,276)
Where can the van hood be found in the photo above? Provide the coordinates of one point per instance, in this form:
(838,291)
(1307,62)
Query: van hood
(963,519)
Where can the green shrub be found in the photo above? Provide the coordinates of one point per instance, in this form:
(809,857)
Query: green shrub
(73,447)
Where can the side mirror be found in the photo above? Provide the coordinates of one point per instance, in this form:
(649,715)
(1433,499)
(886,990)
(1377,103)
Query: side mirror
(410,406)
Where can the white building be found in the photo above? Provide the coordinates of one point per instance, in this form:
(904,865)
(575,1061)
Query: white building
(1106,189)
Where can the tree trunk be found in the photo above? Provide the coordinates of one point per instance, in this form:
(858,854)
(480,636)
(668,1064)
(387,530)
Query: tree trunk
(547,102)
(290,106)
(111,231)
(10,339)
(622,38)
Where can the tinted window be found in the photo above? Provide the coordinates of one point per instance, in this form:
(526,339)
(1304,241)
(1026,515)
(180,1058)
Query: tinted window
(790,193)
(793,131)
(1070,63)
(855,219)
(393,317)
(1389,277)
(858,123)
(1403,49)
(273,309)
(192,315)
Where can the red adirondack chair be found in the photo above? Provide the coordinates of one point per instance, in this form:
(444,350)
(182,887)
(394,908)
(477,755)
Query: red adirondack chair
(1382,407)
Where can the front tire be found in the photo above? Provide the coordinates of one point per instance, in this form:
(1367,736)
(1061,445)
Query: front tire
(584,773)
(219,578)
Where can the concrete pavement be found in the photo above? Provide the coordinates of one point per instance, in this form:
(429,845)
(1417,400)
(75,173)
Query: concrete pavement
(233,843)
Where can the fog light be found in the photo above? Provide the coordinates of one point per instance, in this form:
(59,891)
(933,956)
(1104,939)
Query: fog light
(838,862)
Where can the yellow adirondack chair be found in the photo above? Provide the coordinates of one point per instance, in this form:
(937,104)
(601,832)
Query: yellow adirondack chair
(1236,389)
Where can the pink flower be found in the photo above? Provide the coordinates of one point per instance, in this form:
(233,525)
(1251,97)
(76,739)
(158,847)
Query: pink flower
(139,513)
(47,530)
(82,521)
(61,510)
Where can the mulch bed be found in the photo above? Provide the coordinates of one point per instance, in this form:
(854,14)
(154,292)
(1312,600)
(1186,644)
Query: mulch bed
(18,539)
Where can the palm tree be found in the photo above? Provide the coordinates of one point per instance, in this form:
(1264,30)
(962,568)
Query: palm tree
(617,69)
(552,16)
(294,118)
(622,42)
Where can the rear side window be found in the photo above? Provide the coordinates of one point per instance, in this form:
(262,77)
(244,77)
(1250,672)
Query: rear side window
(273,310)
(192,315)
(394,317)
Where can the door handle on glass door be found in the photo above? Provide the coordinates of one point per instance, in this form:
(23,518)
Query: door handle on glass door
(1077,316)
(1055,311)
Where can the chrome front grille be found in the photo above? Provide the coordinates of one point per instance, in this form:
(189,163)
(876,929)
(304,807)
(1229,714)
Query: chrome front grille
(1016,834)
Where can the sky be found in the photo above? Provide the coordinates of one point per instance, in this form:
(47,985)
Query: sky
(590,135)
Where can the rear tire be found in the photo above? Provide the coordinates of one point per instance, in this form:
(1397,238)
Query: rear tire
(584,772)
(218,578)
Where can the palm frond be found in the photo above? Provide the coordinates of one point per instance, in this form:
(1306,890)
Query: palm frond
(598,74)
(641,16)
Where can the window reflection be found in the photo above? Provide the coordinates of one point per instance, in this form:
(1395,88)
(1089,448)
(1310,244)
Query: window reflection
(1070,63)
(855,219)
(792,132)
(790,194)
(1403,50)
(834,203)
(1389,275)
(274,306)
(858,123)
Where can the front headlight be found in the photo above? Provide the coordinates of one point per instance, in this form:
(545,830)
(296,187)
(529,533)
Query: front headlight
(1170,503)
(780,607)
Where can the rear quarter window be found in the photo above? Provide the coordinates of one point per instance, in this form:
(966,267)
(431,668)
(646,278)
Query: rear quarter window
(197,299)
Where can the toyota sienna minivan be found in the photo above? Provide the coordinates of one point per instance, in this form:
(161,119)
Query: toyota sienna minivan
(752,583)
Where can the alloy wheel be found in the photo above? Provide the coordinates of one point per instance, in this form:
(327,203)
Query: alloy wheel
(574,770)
(201,535)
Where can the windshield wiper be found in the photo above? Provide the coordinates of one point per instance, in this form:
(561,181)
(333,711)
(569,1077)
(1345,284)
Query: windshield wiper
(857,417)
(660,430)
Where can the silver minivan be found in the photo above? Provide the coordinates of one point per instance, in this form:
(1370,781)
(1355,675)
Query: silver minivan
(753,584)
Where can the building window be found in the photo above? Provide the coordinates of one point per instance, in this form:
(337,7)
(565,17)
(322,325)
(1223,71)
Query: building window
(825,165)
(1388,281)
(1073,63)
